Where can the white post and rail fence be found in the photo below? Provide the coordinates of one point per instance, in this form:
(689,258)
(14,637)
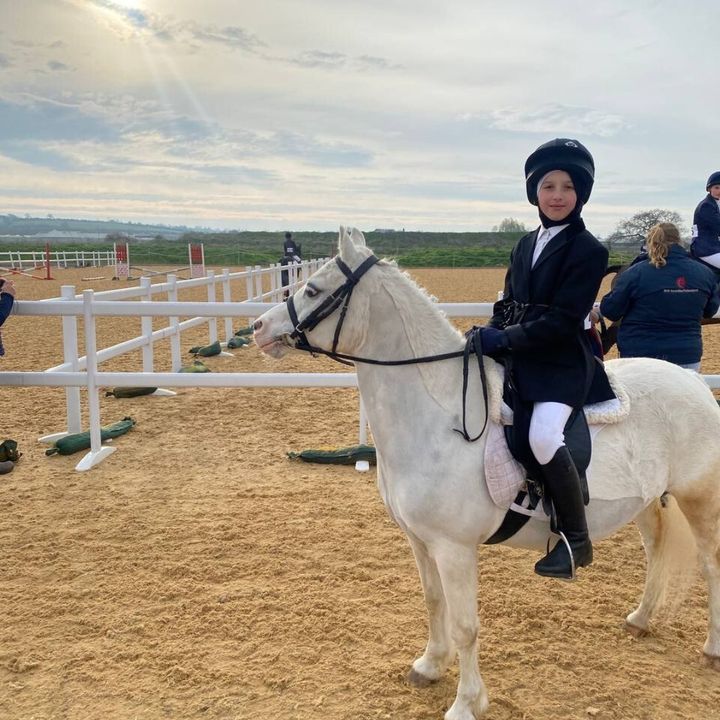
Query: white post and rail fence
(78,372)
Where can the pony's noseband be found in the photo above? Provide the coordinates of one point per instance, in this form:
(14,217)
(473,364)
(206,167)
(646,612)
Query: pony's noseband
(328,306)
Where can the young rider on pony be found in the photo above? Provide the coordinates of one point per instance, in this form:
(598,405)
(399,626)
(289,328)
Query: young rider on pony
(706,225)
(539,330)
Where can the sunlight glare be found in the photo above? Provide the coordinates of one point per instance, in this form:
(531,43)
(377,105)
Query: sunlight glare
(131,4)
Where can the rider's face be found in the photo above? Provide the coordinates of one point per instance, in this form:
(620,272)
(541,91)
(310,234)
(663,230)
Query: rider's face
(715,191)
(556,195)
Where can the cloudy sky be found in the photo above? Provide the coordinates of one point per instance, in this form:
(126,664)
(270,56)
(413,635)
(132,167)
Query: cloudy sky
(305,114)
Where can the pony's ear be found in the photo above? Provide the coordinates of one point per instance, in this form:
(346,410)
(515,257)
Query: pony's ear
(345,243)
(357,237)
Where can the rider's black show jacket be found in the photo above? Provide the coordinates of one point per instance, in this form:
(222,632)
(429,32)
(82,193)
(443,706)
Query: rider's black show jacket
(543,311)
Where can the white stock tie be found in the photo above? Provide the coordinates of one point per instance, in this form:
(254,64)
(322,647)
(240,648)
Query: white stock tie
(542,240)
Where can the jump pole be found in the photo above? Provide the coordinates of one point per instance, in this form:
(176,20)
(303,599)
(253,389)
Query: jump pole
(122,261)
(48,276)
(20,271)
(196,256)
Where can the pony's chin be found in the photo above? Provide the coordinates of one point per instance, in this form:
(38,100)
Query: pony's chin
(275,349)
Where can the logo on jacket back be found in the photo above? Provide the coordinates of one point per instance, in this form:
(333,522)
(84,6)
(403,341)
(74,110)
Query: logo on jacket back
(680,282)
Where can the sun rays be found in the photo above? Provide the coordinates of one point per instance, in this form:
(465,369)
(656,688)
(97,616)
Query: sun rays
(129,4)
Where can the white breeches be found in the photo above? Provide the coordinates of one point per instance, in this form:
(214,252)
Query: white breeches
(713,260)
(546,434)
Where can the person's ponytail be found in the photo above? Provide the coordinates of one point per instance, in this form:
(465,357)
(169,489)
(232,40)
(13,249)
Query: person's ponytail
(659,239)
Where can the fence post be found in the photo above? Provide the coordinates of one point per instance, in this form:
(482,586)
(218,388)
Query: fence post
(212,322)
(97,451)
(227,297)
(273,283)
(249,288)
(362,433)
(362,465)
(146,328)
(258,283)
(293,277)
(174,322)
(70,356)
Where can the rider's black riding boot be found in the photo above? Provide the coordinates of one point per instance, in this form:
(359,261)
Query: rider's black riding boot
(563,485)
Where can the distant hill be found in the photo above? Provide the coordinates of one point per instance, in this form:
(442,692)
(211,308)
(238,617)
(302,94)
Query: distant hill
(52,228)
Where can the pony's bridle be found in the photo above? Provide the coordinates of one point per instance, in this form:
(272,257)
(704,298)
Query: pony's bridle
(342,296)
(328,306)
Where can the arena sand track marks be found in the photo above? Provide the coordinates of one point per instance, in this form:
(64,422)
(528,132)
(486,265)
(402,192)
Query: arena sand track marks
(197,573)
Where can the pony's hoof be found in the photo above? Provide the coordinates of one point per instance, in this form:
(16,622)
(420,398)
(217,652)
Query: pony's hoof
(712,661)
(635,630)
(418,679)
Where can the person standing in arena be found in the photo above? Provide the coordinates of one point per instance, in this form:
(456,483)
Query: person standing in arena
(661,302)
(7,298)
(291,254)
(291,249)
(539,328)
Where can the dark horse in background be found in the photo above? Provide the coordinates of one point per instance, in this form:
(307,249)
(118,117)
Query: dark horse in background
(608,333)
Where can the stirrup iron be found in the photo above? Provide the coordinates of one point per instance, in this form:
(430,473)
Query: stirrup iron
(570,552)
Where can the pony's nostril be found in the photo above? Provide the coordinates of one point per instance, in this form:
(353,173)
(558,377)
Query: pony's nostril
(257,325)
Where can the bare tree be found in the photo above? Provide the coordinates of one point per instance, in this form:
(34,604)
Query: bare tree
(636,228)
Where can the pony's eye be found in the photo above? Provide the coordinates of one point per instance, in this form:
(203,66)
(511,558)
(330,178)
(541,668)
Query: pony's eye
(311,291)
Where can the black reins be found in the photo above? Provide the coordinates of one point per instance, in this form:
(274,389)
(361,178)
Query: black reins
(342,295)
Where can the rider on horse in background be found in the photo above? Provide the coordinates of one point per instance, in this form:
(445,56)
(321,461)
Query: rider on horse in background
(706,225)
(539,329)
(291,254)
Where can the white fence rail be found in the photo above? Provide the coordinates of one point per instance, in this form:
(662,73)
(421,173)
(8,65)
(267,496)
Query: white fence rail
(76,372)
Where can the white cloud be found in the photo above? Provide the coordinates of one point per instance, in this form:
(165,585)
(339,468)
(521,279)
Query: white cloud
(559,120)
(416,114)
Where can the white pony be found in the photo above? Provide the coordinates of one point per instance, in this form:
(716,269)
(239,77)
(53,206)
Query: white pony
(431,478)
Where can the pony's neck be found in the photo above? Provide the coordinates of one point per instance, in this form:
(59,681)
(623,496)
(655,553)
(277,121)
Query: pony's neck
(405,323)
(405,320)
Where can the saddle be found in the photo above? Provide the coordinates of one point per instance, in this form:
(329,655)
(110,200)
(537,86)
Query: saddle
(513,476)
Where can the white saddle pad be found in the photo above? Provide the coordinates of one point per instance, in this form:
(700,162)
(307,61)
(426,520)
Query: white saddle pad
(602,413)
(504,475)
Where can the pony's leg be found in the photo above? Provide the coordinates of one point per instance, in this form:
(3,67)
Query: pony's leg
(457,565)
(650,524)
(703,514)
(439,652)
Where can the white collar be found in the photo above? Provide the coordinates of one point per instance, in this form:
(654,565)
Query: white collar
(551,232)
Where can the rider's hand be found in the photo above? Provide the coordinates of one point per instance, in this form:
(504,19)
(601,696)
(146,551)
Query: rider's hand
(494,342)
(8,287)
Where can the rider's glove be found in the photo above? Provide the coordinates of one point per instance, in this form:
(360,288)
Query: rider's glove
(494,342)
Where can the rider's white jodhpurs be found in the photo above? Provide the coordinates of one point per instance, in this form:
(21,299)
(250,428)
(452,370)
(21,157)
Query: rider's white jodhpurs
(546,434)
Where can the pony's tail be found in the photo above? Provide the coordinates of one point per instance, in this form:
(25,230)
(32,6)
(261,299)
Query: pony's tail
(673,567)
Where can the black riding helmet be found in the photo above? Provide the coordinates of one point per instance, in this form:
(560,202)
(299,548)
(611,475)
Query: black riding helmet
(714,179)
(561,154)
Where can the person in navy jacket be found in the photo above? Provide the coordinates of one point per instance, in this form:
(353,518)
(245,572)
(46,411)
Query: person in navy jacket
(706,224)
(539,327)
(661,302)
(7,298)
